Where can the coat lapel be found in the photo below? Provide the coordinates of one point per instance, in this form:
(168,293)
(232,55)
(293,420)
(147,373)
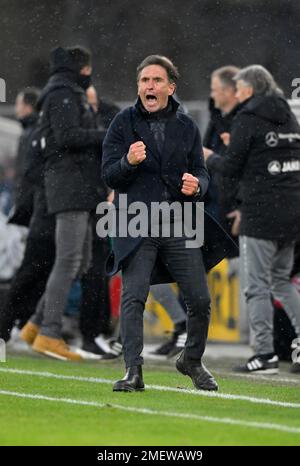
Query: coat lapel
(142,132)
(174,133)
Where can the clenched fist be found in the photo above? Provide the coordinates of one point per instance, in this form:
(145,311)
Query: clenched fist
(190,184)
(137,153)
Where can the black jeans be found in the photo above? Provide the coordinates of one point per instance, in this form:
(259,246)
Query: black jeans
(186,267)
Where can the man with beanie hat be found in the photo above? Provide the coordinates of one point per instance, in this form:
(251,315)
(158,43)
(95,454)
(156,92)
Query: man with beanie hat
(71,149)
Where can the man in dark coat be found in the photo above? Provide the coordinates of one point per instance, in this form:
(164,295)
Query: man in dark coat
(26,113)
(95,312)
(28,284)
(220,200)
(264,154)
(153,153)
(72,171)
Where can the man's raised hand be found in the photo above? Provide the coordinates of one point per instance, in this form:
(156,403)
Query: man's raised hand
(137,153)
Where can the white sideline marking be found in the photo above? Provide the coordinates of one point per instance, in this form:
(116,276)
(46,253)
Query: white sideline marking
(225,396)
(224,420)
(256,377)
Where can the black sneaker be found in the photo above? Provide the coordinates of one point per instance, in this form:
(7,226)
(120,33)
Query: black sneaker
(166,347)
(179,345)
(115,350)
(169,348)
(295,367)
(260,364)
(91,347)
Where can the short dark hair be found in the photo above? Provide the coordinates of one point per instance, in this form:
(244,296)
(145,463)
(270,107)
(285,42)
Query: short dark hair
(80,56)
(226,75)
(162,61)
(30,96)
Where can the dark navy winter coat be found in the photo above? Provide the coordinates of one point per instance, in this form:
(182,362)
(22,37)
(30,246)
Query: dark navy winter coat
(157,178)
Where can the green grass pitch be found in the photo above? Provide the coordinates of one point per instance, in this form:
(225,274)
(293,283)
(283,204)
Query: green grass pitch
(48,402)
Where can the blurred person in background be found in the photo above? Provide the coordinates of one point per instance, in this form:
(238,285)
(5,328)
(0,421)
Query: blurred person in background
(95,312)
(26,113)
(30,209)
(264,155)
(30,280)
(71,147)
(6,188)
(220,200)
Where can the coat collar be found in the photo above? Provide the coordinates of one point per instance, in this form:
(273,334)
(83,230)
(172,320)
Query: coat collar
(174,130)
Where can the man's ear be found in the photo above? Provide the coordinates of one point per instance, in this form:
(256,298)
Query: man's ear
(172,88)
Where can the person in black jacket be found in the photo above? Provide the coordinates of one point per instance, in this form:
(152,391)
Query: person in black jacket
(223,106)
(264,154)
(152,153)
(95,313)
(71,148)
(25,109)
(28,284)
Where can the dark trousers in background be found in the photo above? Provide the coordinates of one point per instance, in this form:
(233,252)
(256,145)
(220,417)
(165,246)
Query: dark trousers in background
(95,303)
(186,267)
(72,259)
(30,280)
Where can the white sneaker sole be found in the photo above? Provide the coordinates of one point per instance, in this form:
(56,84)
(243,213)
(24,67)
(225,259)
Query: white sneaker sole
(86,354)
(54,355)
(265,371)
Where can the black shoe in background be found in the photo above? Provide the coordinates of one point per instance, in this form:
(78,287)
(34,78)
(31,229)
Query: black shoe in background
(179,345)
(169,348)
(165,348)
(259,364)
(91,347)
(295,368)
(115,350)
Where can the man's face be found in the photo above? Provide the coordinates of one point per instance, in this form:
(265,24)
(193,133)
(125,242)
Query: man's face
(86,70)
(22,110)
(154,88)
(221,95)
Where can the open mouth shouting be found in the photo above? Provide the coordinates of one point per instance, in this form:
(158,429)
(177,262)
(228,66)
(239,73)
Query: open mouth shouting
(151,101)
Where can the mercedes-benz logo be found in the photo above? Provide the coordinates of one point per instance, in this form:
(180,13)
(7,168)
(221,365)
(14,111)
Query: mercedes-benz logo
(274,167)
(271,139)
